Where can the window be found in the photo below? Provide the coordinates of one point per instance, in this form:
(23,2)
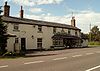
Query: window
(76,33)
(39,42)
(16,27)
(54,30)
(57,42)
(62,30)
(69,32)
(39,28)
(16,40)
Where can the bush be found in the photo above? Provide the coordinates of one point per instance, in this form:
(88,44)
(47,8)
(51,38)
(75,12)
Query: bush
(94,43)
(2,52)
(12,54)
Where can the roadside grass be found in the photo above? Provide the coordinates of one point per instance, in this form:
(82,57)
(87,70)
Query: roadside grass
(92,44)
(11,55)
(6,57)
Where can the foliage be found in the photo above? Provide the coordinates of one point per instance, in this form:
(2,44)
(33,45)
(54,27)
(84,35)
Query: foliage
(12,54)
(3,37)
(94,43)
(70,43)
(95,34)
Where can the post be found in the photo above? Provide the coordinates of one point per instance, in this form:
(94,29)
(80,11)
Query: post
(90,33)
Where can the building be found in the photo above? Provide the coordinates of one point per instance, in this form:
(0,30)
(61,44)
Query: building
(28,34)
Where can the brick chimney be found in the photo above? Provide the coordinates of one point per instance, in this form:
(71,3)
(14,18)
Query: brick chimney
(21,12)
(73,23)
(6,9)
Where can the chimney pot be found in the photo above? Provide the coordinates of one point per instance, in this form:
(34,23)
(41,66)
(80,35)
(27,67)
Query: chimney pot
(21,12)
(73,23)
(21,7)
(6,9)
(6,3)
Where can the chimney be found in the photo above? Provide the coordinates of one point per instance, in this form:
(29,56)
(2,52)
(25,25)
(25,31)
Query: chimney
(73,23)
(21,12)
(6,9)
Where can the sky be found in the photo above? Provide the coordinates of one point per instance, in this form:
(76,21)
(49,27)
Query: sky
(86,12)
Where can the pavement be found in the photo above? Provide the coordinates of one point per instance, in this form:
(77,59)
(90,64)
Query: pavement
(83,59)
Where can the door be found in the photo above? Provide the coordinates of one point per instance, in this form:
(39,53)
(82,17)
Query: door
(23,44)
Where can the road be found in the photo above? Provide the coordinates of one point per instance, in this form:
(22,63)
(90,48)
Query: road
(83,59)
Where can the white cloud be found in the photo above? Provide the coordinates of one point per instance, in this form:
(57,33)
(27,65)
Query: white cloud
(48,1)
(24,2)
(32,17)
(49,17)
(35,2)
(36,10)
(83,19)
(7,0)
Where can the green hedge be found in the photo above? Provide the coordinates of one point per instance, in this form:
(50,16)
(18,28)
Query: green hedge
(94,43)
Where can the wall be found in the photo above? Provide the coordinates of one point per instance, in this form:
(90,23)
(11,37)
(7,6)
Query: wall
(27,31)
(10,44)
(85,43)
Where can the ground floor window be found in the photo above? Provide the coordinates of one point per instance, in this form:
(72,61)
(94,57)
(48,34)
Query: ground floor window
(16,40)
(39,42)
(57,42)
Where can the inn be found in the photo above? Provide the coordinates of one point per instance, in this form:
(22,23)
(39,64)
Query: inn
(28,34)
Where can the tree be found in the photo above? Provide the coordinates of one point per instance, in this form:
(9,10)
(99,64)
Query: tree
(3,37)
(0,9)
(97,38)
(95,33)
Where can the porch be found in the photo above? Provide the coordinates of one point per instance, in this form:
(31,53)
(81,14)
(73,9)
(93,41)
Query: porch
(66,40)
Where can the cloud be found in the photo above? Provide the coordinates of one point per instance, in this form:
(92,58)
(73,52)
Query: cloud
(47,17)
(6,0)
(48,1)
(83,19)
(24,2)
(35,2)
(36,10)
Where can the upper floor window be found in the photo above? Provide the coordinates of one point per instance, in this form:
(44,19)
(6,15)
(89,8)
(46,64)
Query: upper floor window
(76,33)
(54,29)
(69,32)
(39,28)
(62,30)
(16,27)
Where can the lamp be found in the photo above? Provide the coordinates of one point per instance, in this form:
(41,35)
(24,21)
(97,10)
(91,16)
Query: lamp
(32,37)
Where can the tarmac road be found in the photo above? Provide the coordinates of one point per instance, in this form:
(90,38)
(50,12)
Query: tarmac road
(85,59)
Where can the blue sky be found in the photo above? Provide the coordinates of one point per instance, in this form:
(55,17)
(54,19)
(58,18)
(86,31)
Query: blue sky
(85,11)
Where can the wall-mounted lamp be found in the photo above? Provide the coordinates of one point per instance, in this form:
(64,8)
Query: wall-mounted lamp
(34,26)
(32,37)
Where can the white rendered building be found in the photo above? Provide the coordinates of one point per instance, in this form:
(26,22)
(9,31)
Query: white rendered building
(26,34)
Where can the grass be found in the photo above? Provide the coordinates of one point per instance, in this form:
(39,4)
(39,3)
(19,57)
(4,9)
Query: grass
(10,55)
(6,57)
(94,43)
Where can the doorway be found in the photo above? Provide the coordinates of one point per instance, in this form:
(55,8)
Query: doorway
(23,44)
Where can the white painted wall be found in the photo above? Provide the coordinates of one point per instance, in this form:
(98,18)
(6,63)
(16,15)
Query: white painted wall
(85,43)
(27,31)
(10,44)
